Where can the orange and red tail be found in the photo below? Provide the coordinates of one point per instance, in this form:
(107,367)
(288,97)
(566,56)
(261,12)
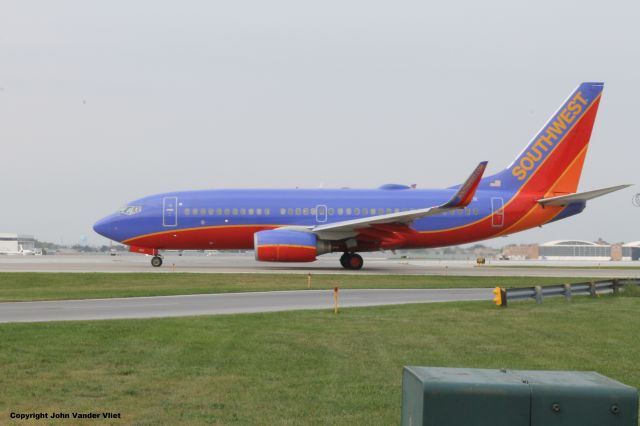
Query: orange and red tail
(552,162)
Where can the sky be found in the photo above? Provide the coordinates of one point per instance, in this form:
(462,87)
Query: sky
(106,102)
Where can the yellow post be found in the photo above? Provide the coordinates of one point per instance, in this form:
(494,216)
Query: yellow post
(309,280)
(335,300)
(499,299)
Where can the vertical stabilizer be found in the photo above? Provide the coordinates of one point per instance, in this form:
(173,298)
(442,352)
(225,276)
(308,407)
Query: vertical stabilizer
(552,162)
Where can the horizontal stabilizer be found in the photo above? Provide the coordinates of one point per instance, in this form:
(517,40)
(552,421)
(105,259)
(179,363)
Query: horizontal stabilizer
(564,200)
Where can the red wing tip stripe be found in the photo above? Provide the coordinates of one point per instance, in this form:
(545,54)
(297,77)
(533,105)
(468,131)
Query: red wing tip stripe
(466,192)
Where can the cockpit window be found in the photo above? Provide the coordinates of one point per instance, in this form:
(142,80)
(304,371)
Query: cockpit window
(130,210)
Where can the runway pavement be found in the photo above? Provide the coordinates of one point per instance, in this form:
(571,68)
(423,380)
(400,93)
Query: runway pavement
(328,264)
(217,304)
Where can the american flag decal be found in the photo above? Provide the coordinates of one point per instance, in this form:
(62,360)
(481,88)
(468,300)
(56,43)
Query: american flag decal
(495,183)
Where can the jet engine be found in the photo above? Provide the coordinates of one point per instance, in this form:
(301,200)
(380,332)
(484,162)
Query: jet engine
(288,246)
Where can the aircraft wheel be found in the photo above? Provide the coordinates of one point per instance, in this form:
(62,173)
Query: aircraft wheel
(344,260)
(355,261)
(156,261)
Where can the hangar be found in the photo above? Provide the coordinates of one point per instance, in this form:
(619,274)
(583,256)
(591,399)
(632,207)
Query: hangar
(631,251)
(16,243)
(574,250)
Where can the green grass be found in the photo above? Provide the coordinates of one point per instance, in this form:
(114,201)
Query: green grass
(299,368)
(621,267)
(631,291)
(21,286)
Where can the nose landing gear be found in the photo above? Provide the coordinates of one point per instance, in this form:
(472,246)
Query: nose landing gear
(156,261)
(351,261)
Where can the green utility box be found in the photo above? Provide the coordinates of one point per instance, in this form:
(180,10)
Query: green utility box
(474,397)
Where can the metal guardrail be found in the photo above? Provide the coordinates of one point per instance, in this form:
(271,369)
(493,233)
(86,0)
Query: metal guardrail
(593,288)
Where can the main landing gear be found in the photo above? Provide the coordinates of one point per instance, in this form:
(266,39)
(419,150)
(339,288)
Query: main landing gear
(351,261)
(156,261)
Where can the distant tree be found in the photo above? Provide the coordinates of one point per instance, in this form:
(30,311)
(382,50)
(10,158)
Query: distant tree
(84,248)
(47,245)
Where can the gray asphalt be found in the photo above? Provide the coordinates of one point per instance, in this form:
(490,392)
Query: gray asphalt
(327,264)
(218,304)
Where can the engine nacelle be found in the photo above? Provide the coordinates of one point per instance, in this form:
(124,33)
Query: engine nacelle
(288,246)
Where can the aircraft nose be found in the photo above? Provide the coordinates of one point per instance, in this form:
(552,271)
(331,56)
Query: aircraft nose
(105,227)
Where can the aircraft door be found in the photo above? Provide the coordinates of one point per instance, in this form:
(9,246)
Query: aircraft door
(321,213)
(497,210)
(170,211)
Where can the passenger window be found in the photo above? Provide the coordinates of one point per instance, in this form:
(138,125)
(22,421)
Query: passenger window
(290,211)
(340,211)
(356,211)
(227,212)
(211,211)
(267,212)
(203,211)
(243,212)
(330,212)
(259,212)
(313,211)
(348,211)
(305,211)
(234,212)
(219,211)
(475,211)
(389,211)
(187,211)
(298,211)
(283,211)
(380,211)
(194,211)
(365,211)
(396,210)
(467,211)
(250,212)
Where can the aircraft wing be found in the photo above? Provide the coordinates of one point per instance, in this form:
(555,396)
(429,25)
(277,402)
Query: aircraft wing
(564,200)
(460,200)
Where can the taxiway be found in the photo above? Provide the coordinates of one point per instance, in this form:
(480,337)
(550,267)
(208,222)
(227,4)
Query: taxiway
(229,303)
(328,264)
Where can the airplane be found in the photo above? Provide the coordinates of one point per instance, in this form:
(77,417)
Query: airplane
(21,250)
(297,225)
(26,252)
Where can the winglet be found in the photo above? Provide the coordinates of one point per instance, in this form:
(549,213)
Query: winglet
(465,194)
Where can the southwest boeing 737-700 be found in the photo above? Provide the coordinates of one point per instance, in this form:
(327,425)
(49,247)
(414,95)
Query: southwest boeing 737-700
(297,225)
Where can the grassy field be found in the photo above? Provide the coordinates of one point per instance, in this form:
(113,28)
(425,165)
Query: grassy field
(22,286)
(606,266)
(298,368)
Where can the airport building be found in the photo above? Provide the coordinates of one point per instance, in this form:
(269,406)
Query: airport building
(16,243)
(631,251)
(575,250)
